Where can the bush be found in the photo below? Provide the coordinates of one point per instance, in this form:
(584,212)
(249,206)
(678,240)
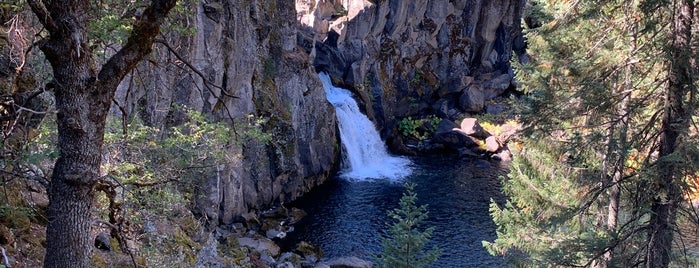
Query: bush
(420,129)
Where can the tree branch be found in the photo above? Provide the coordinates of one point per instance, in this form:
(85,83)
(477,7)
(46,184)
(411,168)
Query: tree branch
(139,44)
(43,15)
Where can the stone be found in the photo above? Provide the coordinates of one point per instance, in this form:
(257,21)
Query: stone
(102,242)
(470,126)
(504,154)
(208,255)
(494,109)
(289,257)
(267,259)
(472,99)
(448,135)
(296,215)
(496,86)
(260,244)
(285,265)
(491,144)
(275,233)
(306,250)
(349,262)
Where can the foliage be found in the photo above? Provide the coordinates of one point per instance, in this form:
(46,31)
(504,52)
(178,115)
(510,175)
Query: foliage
(541,217)
(147,155)
(405,246)
(592,106)
(420,129)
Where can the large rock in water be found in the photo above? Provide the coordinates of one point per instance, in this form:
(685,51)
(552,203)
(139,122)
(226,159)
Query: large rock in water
(349,262)
(250,64)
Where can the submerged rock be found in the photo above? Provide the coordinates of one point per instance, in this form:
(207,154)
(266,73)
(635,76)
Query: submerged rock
(349,262)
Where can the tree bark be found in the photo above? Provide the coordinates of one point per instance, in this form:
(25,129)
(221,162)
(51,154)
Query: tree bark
(83,99)
(675,124)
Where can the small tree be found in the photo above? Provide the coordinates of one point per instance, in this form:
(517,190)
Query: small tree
(405,246)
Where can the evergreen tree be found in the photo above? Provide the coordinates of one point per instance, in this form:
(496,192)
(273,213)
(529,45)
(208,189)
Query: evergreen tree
(582,192)
(405,246)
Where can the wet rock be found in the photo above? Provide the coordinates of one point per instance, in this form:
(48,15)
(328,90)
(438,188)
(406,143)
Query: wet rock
(308,250)
(275,234)
(296,215)
(349,262)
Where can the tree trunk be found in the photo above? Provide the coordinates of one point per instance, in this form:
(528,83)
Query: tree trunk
(675,123)
(83,98)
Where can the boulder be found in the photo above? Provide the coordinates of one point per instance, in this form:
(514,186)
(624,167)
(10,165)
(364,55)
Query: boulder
(275,233)
(448,136)
(491,144)
(471,127)
(496,86)
(259,244)
(349,262)
(296,215)
(472,99)
(307,250)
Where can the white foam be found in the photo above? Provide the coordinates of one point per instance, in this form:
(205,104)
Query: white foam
(364,153)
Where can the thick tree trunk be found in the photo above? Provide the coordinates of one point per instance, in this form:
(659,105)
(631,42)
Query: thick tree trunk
(83,97)
(674,125)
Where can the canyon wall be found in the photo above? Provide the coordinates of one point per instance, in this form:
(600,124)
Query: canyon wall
(259,58)
(243,62)
(408,58)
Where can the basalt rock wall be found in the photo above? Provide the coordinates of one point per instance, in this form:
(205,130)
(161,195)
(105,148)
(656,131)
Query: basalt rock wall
(408,58)
(242,61)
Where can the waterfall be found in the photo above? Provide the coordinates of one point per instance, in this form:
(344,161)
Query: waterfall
(364,153)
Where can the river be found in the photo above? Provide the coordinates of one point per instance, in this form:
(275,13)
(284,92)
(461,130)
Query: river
(346,217)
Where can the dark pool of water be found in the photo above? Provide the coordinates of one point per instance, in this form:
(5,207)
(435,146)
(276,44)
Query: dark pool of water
(347,218)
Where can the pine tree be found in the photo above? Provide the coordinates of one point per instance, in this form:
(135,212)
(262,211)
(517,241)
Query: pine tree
(601,181)
(405,245)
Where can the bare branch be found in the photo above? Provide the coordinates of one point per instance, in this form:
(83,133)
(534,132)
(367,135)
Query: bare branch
(207,83)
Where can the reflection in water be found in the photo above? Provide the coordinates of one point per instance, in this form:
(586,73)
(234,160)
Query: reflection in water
(346,218)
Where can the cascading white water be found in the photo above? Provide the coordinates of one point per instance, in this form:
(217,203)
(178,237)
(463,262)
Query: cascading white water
(364,154)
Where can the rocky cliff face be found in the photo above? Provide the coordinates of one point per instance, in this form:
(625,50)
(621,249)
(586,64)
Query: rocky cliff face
(248,64)
(416,57)
(254,58)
